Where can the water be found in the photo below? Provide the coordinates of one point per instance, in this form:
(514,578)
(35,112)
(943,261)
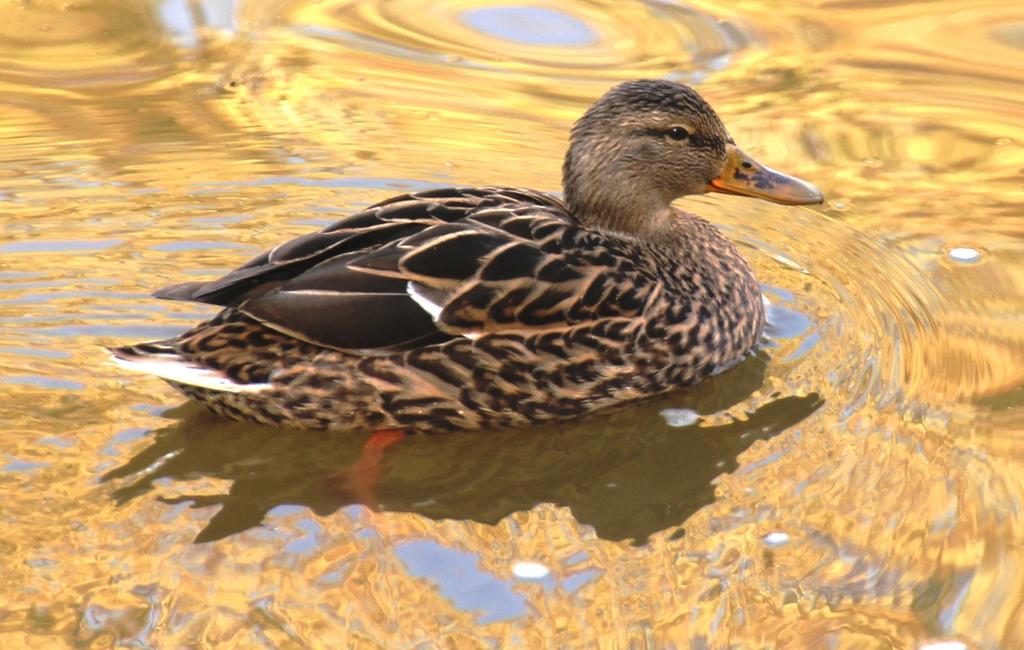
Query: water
(856,484)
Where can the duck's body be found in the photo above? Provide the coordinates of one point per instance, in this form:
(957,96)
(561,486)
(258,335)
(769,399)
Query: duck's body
(461,308)
(466,308)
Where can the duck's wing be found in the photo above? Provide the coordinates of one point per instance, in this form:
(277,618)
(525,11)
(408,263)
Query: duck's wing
(430,266)
(380,224)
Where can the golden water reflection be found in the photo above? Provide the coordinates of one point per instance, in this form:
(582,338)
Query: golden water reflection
(857,484)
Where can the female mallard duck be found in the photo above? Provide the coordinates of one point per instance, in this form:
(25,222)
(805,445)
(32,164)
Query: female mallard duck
(465,308)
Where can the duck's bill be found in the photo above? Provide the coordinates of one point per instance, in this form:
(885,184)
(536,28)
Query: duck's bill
(745,176)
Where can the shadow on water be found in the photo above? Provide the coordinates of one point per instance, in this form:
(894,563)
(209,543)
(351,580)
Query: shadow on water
(625,472)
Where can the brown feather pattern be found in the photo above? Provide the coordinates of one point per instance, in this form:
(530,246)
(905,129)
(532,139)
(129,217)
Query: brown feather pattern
(539,318)
(464,308)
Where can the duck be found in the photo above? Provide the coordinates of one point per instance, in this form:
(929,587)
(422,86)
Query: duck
(491,308)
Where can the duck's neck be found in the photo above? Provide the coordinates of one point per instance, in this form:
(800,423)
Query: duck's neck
(605,196)
(618,207)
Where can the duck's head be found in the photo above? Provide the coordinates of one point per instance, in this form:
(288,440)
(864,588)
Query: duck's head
(646,143)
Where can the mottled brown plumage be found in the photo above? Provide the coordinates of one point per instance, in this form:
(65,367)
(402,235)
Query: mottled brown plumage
(465,308)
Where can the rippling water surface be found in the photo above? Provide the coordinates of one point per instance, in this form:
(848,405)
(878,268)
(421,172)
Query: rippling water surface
(856,484)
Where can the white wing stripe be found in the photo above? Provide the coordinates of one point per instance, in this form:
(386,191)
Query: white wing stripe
(423,301)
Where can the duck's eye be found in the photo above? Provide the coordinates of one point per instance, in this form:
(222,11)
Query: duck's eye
(678,133)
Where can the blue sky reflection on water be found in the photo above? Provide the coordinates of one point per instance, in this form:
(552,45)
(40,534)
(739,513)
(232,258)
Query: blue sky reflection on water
(530,26)
(459,578)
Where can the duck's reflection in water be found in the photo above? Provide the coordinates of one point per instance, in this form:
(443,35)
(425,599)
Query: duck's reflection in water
(627,472)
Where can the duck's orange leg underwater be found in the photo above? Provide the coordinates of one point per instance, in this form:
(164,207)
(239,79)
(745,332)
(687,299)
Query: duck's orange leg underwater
(359,482)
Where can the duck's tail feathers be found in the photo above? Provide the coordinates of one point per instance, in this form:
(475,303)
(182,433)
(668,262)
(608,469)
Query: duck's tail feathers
(164,361)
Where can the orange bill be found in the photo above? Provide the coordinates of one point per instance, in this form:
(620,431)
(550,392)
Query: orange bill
(745,176)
